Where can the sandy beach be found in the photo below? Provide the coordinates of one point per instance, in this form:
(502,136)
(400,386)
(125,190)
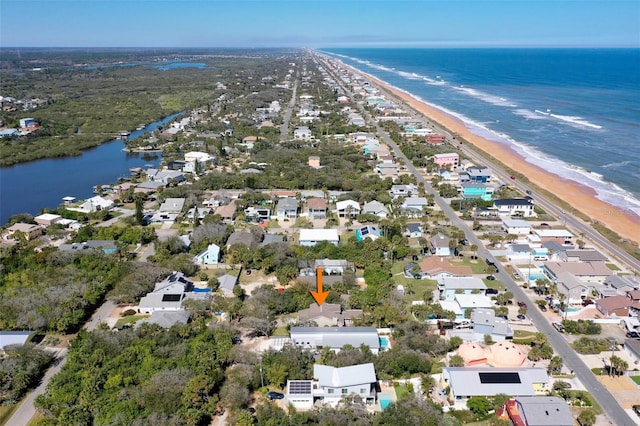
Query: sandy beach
(581,197)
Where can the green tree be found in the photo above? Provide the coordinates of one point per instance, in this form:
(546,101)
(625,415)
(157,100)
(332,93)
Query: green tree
(555,365)
(480,405)
(139,210)
(456,361)
(587,417)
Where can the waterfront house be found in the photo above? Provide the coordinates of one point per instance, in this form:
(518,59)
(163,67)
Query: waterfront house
(28,230)
(47,219)
(523,207)
(449,159)
(165,176)
(475,190)
(587,272)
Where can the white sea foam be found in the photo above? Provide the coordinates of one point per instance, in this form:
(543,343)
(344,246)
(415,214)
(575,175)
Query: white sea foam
(571,119)
(527,113)
(486,97)
(616,164)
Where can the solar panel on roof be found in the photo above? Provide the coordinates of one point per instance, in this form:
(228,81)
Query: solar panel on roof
(302,387)
(171,297)
(499,378)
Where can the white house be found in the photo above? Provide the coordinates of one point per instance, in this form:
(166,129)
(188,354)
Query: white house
(523,207)
(348,208)
(311,237)
(516,226)
(330,385)
(211,256)
(93,204)
(302,133)
(335,338)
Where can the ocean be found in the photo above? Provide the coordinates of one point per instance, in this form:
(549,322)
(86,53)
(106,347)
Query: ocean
(573,112)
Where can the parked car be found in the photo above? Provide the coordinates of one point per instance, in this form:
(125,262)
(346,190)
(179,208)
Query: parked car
(633,334)
(543,308)
(275,395)
(491,278)
(522,304)
(558,326)
(521,317)
(636,409)
(587,302)
(492,291)
(516,275)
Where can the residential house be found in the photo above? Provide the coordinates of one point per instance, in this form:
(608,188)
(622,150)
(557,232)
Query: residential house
(201,212)
(302,133)
(172,205)
(435,267)
(167,294)
(522,207)
(435,139)
(617,306)
(317,208)
(257,213)
(574,290)
(450,286)
(485,322)
(371,232)
(93,204)
(287,208)
(195,156)
(622,283)
(588,255)
(539,411)
(241,238)
(414,230)
(631,348)
(314,162)
(449,159)
(210,256)
(227,283)
(414,203)
(440,245)
(311,237)
(10,338)
(165,319)
(165,176)
(28,230)
(476,174)
(519,251)
(516,226)
(560,236)
(472,301)
(387,170)
(335,338)
(587,272)
(329,315)
(403,190)
(227,212)
(475,190)
(467,382)
(375,208)
(348,208)
(334,266)
(105,246)
(47,219)
(331,384)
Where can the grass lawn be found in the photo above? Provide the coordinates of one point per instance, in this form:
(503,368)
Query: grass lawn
(612,267)
(477,266)
(402,391)
(6,412)
(523,337)
(281,331)
(495,284)
(636,379)
(129,320)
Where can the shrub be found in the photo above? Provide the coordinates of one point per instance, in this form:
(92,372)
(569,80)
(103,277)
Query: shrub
(128,313)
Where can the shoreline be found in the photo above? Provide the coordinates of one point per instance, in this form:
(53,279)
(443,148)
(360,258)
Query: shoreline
(581,197)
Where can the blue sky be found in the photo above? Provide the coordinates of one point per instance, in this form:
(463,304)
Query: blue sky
(312,23)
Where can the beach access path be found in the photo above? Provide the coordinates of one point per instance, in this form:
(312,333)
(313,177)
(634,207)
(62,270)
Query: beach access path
(571,359)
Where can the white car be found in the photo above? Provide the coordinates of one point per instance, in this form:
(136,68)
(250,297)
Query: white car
(516,275)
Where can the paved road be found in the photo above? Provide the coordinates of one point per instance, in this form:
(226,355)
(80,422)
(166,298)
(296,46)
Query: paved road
(25,412)
(284,129)
(571,360)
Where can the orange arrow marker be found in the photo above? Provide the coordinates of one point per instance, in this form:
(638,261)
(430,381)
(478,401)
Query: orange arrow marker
(319,295)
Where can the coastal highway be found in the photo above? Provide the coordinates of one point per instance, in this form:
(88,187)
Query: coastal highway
(570,358)
(573,223)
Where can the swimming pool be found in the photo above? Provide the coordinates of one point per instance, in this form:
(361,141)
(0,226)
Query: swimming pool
(384,343)
(385,400)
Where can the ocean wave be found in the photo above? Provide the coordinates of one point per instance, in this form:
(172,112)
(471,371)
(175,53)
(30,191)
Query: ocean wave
(615,165)
(527,113)
(571,119)
(486,97)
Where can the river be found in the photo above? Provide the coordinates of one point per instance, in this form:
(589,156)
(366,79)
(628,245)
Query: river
(29,187)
